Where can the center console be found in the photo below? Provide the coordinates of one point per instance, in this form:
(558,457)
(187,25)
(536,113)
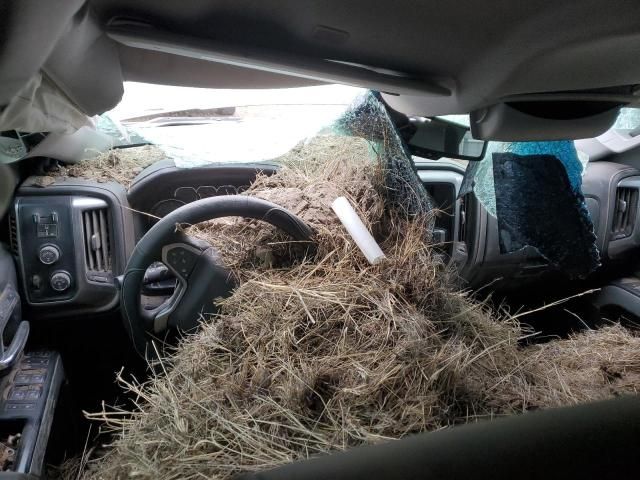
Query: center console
(30,383)
(623,293)
(29,396)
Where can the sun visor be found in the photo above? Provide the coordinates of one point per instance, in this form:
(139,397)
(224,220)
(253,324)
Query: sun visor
(40,106)
(543,121)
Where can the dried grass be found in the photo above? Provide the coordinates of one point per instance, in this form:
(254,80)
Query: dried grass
(331,352)
(120,165)
(313,175)
(593,365)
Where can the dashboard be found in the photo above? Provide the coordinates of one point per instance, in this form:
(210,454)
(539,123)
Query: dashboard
(471,239)
(72,238)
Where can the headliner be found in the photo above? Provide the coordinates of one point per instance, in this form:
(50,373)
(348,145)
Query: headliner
(451,57)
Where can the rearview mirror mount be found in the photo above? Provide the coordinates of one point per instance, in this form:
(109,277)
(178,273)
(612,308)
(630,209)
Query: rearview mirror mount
(434,138)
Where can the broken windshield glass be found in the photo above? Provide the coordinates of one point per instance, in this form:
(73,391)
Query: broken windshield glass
(534,189)
(196,126)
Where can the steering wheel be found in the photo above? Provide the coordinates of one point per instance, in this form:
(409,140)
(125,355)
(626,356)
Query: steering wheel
(200,275)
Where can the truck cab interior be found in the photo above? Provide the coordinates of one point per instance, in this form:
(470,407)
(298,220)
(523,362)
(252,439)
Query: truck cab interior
(74,253)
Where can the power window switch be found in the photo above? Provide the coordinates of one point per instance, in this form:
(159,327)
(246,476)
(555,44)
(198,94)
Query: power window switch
(22,378)
(29,378)
(19,406)
(33,395)
(18,394)
(37,362)
(37,354)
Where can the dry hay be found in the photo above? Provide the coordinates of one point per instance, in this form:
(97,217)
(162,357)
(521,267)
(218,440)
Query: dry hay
(331,352)
(119,165)
(593,365)
(313,175)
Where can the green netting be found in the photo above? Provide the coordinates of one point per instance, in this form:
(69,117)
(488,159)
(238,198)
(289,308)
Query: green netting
(368,118)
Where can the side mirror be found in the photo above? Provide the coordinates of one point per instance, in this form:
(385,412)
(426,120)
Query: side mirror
(434,138)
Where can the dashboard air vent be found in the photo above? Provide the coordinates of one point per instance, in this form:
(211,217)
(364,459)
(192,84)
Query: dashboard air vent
(462,219)
(96,240)
(625,212)
(13,234)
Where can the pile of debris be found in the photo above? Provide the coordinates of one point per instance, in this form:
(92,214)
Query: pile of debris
(9,444)
(312,355)
(119,165)
(312,176)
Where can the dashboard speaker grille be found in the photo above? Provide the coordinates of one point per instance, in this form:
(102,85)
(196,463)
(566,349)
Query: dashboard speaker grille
(625,212)
(96,240)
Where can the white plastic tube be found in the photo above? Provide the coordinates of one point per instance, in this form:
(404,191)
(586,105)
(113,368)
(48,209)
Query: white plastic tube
(358,231)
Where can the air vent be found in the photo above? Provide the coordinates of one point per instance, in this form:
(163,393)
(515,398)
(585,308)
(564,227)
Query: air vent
(625,212)
(96,240)
(462,219)
(13,234)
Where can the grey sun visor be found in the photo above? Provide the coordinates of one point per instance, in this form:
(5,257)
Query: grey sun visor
(534,189)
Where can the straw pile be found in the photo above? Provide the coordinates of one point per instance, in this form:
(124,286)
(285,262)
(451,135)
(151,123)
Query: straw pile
(589,366)
(313,175)
(315,355)
(119,165)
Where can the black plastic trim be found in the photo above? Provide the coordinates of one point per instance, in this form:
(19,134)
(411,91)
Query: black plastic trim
(92,297)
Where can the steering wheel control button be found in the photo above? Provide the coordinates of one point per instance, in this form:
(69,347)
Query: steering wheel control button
(60,281)
(49,254)
(182,261)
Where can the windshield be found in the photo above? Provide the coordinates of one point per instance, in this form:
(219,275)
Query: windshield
(197,126)
(628,120)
